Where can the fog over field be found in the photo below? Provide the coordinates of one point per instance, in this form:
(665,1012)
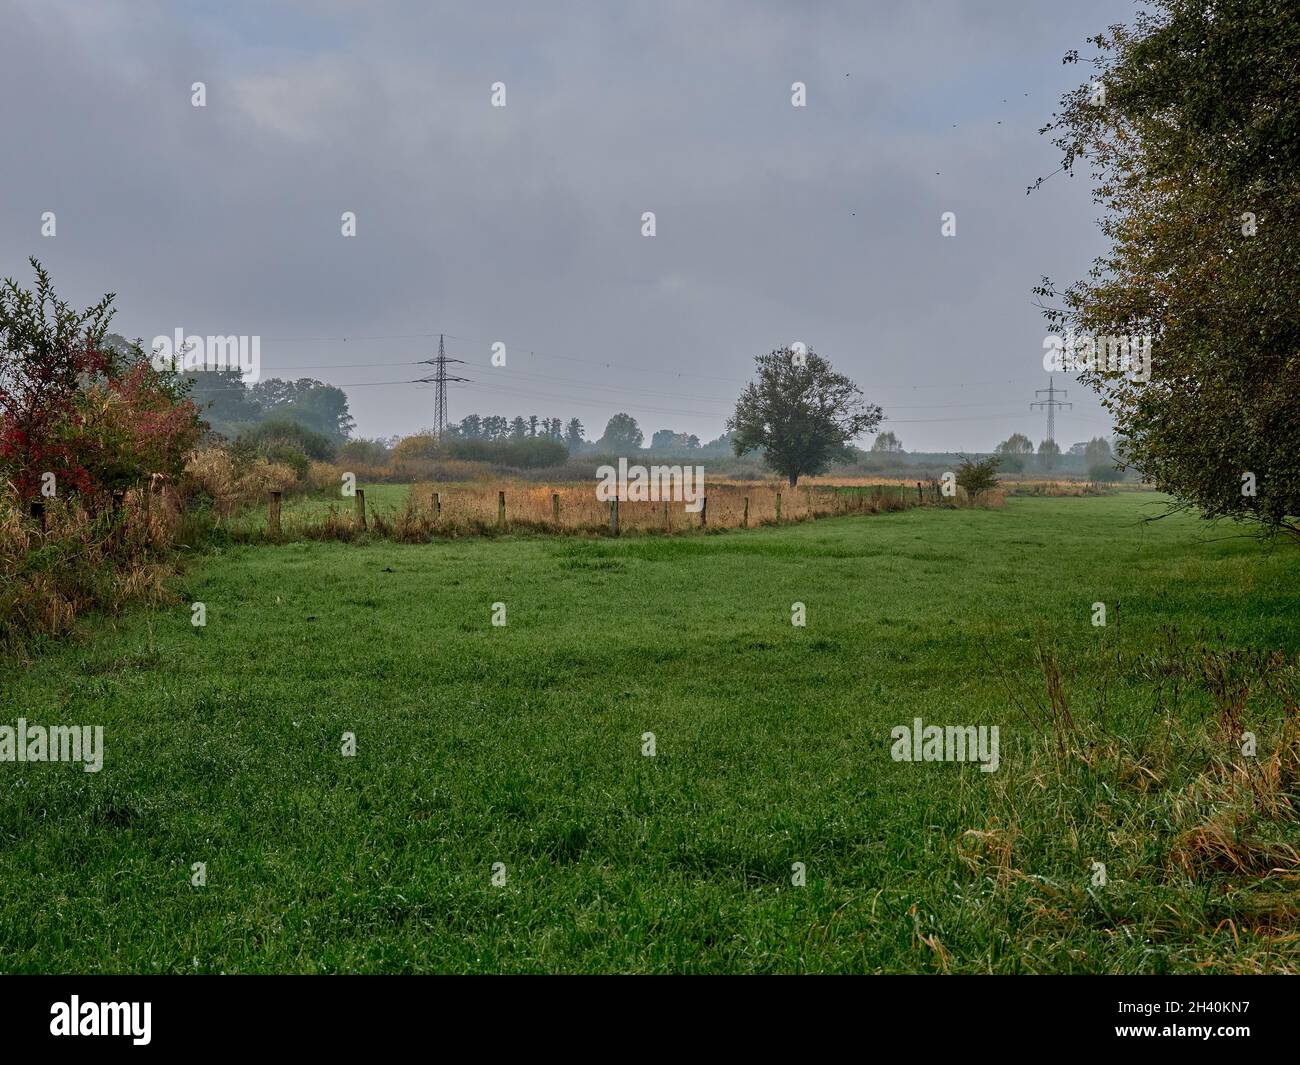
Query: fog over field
(522,223)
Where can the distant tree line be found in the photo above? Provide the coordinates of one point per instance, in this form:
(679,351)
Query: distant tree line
(233,409)
(622,434)
(497,427)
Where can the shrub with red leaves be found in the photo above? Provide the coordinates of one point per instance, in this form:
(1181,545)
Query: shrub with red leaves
(74,407)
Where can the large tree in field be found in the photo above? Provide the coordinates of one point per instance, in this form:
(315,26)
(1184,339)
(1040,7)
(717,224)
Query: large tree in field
(1013,451)
(887,443)
(1190,126)
(1016,444)
(800,413)
(622,435)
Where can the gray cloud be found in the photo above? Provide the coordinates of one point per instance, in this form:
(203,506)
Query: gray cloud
(523,224)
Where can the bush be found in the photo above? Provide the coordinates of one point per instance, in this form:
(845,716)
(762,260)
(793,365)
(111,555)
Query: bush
(95,415)
(978,477)
(281,433)
(530,452)
(213,476)
(82,561)
(420,446)
(362,453)
(1103,472)
(522,453)
(287,454)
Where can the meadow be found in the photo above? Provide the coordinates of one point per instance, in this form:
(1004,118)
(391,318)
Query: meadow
(500,813)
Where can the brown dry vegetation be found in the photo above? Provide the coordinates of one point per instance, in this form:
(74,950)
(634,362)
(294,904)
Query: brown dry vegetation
(459,508)
(212,473)
(1183,805)
(81,561)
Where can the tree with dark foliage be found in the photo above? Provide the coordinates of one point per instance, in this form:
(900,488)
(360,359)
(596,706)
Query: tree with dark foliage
(1191,129)
(800,413)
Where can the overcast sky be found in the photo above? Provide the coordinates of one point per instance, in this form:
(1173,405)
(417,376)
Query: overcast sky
(523,224)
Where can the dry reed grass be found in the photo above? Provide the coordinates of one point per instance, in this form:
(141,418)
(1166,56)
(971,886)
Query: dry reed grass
(79,560)
(442,509)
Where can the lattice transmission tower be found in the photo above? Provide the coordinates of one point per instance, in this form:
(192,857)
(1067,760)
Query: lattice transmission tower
(1051,403)
(440,378)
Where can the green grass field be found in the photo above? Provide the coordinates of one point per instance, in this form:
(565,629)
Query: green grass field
(522,745)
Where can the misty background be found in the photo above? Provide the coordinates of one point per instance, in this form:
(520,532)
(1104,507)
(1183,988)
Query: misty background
(522,224)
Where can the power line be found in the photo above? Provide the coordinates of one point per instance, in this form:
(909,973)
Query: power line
(344,365)
(600,362)
(973,418)
(204,389)
(511,372)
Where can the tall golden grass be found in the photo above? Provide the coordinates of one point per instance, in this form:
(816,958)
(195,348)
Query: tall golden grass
(80,561)
(211,473)
(460,508)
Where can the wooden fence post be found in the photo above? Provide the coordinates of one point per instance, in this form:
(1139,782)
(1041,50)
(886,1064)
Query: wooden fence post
(668,521)
(116,519)
(744,522)
(555,507)
(361,509)
(273,514)
(38,512)
(437,506)
(704,511)
(613,516)
(919,498)
(501,508)
(778,508)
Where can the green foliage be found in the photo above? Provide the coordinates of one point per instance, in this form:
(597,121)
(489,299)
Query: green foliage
(320,407)
(364,452)
(1194,153)
(622,435)
(1099,460)
(513,452)
(978,477)
(224,402)
(1013,451)
(800,413)
(668,441)
(1049,454)
(286,441)
(887,443)
(78,404)
(232,408)
(287,431)
(523,453)
(1016,444)
(1097,451)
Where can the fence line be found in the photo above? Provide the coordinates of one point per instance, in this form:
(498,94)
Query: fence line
(427,514)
